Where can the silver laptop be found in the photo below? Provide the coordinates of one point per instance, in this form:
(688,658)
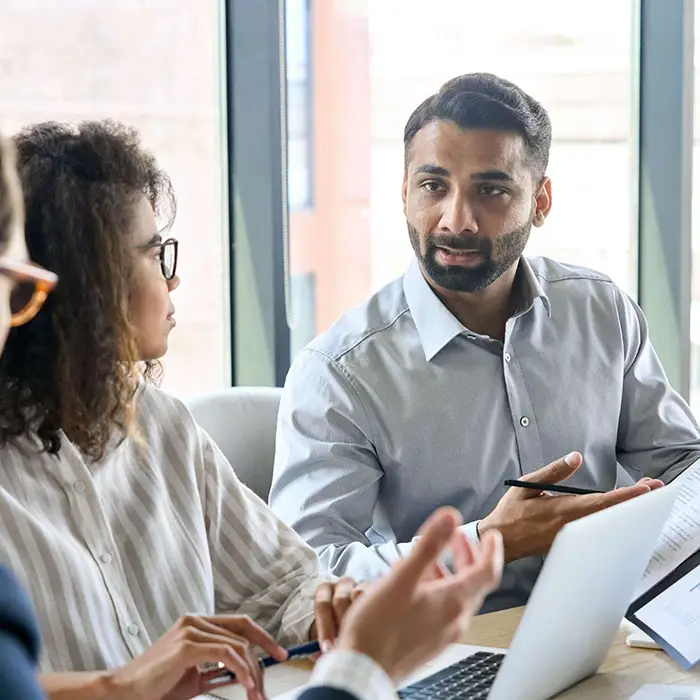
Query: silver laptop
(580,598)
(575,609)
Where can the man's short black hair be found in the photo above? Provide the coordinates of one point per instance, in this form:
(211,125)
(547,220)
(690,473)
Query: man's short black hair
(485,101)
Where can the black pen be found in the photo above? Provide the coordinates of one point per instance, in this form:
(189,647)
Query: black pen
(299,652)
(555,488)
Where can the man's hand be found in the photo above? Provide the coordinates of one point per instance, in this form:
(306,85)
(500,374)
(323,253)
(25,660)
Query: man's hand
(529,520)
(411,614)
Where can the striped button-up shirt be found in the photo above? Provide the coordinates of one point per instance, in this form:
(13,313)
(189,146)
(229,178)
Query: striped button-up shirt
(398,409)
(114,552)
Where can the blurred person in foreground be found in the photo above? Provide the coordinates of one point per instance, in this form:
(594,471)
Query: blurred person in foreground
(410,615)
(23,289)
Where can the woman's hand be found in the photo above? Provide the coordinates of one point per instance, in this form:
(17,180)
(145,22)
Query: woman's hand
(333,601)
(169,669)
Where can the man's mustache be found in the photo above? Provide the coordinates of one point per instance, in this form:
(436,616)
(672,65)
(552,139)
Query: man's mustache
(471,243)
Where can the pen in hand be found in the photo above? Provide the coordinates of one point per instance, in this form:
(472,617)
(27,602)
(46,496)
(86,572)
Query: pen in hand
(554,488)
(301,651)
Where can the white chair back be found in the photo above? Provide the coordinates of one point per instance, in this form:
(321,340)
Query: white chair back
(242,421)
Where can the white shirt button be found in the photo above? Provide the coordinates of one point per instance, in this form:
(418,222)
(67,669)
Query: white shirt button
(506,357)
(79,486)
(133,629)
(106,558)
(524,421)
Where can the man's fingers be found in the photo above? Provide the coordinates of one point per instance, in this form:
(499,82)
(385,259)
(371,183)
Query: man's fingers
(439,516)
(435,535)
(585,505)
(462,551)
(492,555)
(624,494)
(435,571)
(485,573)
(488,566)
(653,484)
(554,472)
(464,593)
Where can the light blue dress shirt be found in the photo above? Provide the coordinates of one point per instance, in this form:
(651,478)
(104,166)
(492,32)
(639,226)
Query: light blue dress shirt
(399,409)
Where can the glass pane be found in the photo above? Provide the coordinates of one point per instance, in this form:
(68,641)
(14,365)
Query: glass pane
(369,64)
(156,66)
(695,280)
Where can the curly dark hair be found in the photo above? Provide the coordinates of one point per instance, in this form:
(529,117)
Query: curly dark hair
(10,201)
(75,367)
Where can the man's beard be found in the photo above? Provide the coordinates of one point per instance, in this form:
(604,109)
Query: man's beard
(498,256)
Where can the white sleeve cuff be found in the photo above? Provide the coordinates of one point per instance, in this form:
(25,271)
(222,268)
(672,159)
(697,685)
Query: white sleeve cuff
(469,529)
(354,673)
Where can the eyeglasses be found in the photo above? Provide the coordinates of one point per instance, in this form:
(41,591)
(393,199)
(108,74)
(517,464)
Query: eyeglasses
(168,256)
(32,285)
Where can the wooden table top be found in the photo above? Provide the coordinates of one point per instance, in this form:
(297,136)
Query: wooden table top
(623,672)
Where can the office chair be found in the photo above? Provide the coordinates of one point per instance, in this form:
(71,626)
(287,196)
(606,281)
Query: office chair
(242,421)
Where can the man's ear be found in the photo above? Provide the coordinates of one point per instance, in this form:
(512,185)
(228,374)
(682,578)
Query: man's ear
(543,202)
(404,190)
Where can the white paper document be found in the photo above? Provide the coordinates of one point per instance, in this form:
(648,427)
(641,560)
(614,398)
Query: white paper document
(674,615)
(667,692)
(681,534)
(278,679)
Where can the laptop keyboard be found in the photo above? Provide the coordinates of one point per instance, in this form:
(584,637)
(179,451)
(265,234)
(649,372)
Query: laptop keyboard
(468,679)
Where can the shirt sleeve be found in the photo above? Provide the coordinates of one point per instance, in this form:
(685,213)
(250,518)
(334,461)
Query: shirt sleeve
(261,567)
(19,642)
(327,474)
(471,531)
(658,435)
(354,673)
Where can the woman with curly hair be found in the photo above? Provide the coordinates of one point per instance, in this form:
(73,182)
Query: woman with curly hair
(143,554)
(93,193)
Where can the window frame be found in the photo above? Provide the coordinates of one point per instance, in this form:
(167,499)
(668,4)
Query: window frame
(661,172)
(257,182)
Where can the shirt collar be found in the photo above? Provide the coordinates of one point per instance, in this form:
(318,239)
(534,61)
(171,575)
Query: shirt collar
(531,289)
(436,325)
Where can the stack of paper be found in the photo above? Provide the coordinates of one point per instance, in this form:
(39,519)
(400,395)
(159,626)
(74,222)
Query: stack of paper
(667,600)
(278,679)
(667,692)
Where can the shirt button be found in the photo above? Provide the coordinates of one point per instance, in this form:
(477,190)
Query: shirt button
(524,421)
(133,629)
(106,558)
(506,357)
(79,486)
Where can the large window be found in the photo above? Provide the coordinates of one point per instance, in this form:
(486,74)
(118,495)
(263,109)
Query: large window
(695,280)
(372,63)
(155,65)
